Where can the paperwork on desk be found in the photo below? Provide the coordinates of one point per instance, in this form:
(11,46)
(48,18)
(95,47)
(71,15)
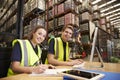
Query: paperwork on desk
(52,72)
(49,72)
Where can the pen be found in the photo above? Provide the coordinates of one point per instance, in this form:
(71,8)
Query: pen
(40,62)
(37,63)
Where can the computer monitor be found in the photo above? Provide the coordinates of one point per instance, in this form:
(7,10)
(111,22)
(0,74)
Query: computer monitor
(94,47)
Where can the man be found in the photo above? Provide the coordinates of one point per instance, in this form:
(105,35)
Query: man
(58,53)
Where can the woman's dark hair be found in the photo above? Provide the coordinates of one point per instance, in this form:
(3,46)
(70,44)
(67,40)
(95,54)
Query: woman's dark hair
(30,35)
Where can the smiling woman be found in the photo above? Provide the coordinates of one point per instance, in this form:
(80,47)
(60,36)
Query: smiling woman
(28,55)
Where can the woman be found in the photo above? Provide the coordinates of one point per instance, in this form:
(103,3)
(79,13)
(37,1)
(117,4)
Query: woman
(26,54)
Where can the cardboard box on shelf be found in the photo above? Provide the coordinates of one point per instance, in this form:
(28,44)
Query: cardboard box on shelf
(69,5)
(61,8)
(86,16)
(61,21)
(69,18)
(50,24)
(55,10)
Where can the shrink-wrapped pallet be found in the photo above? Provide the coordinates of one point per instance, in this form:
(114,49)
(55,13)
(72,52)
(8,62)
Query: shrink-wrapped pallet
(55,10)
(86,16)
(56,22)
(40,4)
(55,2)
(61,21)
(84,26)
(61,8)
(37,21)
(86,6)
(69,5)
(50,24)
(50,3)
(77,20)
(27,29)
(50,14)
(95,8)
(70,18)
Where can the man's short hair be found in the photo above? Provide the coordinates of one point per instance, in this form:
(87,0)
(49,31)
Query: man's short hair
(68,26)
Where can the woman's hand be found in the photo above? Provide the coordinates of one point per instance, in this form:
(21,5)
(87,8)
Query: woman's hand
(39,69)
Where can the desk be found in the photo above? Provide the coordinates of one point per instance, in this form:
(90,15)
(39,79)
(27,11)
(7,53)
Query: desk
(109,67)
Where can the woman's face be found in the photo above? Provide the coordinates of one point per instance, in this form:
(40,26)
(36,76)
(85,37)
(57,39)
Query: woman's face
(39,36)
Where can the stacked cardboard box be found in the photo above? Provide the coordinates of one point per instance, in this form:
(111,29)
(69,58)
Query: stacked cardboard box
(27,29)
(37,21)
(56,22)
(69,18)
(69,5)
(84,26)
(77,20)
(51,24)
(86,16)
(50,3)
(95,8)
(61,21)
(55,10)
(86,6)
(40,4)
(61,8)
(50,14)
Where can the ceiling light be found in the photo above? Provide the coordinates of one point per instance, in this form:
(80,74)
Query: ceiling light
(113,15)
(116,22)
(110,8)
(94,2)
(112,12)
(115,18)
(109,2)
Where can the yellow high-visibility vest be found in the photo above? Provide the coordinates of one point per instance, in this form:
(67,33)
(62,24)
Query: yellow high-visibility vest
(29,57)
(59,50)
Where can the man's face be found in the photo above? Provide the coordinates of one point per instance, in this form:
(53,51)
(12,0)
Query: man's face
(66,34)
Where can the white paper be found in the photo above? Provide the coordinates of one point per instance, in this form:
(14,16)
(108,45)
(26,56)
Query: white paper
(49,72)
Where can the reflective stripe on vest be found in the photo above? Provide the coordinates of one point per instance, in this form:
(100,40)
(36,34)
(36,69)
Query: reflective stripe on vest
(25,53)
(28,56)
(59,50)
